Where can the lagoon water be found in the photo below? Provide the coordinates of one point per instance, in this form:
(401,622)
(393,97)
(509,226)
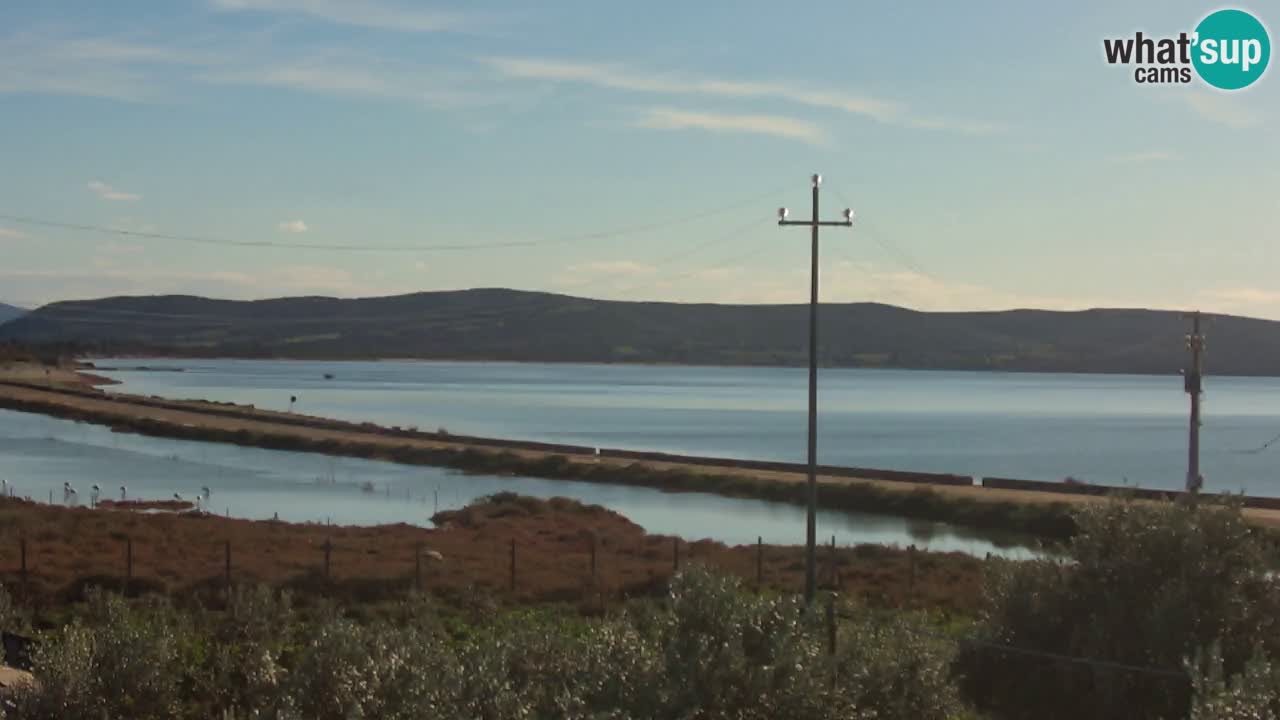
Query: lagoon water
(38,454)
(1104,429)
(1112,429)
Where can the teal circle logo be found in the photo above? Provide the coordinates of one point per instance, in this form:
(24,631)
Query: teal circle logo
(1232,49)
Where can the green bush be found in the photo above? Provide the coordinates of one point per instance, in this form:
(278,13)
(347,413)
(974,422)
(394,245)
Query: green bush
(1143,584)
(118,663)
(710,651)
(1252,694)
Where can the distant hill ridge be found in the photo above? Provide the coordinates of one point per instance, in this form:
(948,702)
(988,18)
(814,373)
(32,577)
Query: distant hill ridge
(9,312)
(496,324)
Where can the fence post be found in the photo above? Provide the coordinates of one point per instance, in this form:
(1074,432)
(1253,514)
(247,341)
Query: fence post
(227,569)
(911,571)
(22,572)
(831,623)
(328,548)
(593,559)
(417,567)
(513,564)
(759,563)
(835,572)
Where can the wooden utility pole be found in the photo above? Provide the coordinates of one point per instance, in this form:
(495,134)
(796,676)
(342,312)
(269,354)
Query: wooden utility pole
(811,519)
(1193,384)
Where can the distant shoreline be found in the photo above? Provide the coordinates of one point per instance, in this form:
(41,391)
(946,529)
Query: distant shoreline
(598,363)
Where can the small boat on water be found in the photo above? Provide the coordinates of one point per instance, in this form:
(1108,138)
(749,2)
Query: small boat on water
(328,376)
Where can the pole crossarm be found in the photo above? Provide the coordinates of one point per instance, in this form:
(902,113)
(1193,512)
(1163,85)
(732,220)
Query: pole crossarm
(820,223)
(811,522)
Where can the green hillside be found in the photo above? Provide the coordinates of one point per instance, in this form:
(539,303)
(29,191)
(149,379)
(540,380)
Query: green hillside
(523,326)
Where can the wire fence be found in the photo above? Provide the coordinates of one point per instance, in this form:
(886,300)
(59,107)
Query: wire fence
(509,567)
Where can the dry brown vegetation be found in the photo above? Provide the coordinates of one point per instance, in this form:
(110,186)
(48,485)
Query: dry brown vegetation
(184,554)
(171,505)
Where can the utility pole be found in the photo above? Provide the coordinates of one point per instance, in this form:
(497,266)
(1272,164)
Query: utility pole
(1193,386)
(811,520)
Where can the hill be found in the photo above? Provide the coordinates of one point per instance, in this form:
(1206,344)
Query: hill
(9,312)
(524,326)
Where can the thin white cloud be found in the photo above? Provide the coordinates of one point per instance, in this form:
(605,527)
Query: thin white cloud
(1238,300)
(845,282)
(617,77)
(409,17)
(58,64)
(610,267)
(109,50)
(1138,158)
(11,234)
(292,226)
(591,272)
(785,127)
(1221,109)
(132,71)
(359,77)
(106,192)
(116,248)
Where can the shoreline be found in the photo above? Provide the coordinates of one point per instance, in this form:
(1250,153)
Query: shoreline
(1043,512)
(568,552)
(625,363)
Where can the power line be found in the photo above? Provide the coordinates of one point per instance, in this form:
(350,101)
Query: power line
(229,242)
(85,315)
(895,250)
(1259,449)
(1078,660)
(1044,654)
(713,241)
(722,264)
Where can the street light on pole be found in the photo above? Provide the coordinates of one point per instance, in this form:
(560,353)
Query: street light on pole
(811,519)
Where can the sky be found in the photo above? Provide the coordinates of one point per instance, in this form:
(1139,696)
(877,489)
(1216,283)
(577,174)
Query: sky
(637,151)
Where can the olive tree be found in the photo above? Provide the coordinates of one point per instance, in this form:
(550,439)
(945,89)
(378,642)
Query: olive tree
(1140,589)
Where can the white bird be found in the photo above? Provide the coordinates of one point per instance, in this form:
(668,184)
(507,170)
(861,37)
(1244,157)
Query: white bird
(124,492)
(205,491)
(177,497)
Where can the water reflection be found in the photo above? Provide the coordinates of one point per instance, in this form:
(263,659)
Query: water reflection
(39,454)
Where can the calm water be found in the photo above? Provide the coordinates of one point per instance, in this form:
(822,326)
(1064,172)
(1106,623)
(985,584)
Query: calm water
(1103,429)
(38,454)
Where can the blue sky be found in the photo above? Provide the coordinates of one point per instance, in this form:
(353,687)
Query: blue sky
(994,159)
